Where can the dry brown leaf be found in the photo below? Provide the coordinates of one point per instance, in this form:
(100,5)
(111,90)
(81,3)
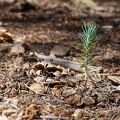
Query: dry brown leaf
(68,92)
(88,101)
(60,50)
(96,79)
(37,88)
(51,82)
(79,75)
(30,112)
(61,112)
(66,113)
(32,72)
(78,114)
(5,37)
(57,73)
(39,79)
(56,87)
(57,91)
(70,83)
(64,71)
(57,111)
(19,115)
(114,79)
(73,100)
(46,109)
(88,3)
(52,68)
(9,112)
(38,66)
(46,66)
(2,106)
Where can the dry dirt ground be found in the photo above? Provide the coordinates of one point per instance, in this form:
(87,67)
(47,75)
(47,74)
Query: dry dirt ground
(31,90)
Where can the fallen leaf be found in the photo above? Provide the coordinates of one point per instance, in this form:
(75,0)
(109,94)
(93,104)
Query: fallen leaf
(57,111)
(64,71)
(38,66)
(56,73)
(70,83)
(39,79)
(61,112)
(52,68)
(60,50)
(78,114)
(73,100)
(38,72)
(57,91)
(46,109)
(30,112)
(19,115)
(68,92)
(32,72)
(37,88)
(9,112)
(5,36)
(79,75)
(88,101)
(96,79)
(114,79)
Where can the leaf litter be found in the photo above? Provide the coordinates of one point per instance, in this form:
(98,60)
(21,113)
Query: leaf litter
(33,89)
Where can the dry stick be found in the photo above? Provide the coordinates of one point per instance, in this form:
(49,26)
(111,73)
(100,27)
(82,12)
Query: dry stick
(107,74)
(76,66)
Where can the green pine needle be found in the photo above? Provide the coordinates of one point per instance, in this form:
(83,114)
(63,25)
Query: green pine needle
(89,41)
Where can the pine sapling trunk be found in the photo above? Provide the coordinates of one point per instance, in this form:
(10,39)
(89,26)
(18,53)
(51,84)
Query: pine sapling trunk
(89,41)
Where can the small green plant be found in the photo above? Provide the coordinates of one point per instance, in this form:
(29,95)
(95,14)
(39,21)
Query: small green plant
(89,40)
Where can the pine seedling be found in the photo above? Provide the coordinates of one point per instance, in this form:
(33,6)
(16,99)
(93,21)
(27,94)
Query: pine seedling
(89,40)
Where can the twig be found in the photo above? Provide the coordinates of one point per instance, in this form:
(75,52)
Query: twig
(76,66)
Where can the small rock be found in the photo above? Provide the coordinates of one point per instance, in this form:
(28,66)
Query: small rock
(17,49)
(60,50)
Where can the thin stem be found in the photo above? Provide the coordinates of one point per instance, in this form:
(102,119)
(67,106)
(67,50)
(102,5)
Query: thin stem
(89,40)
